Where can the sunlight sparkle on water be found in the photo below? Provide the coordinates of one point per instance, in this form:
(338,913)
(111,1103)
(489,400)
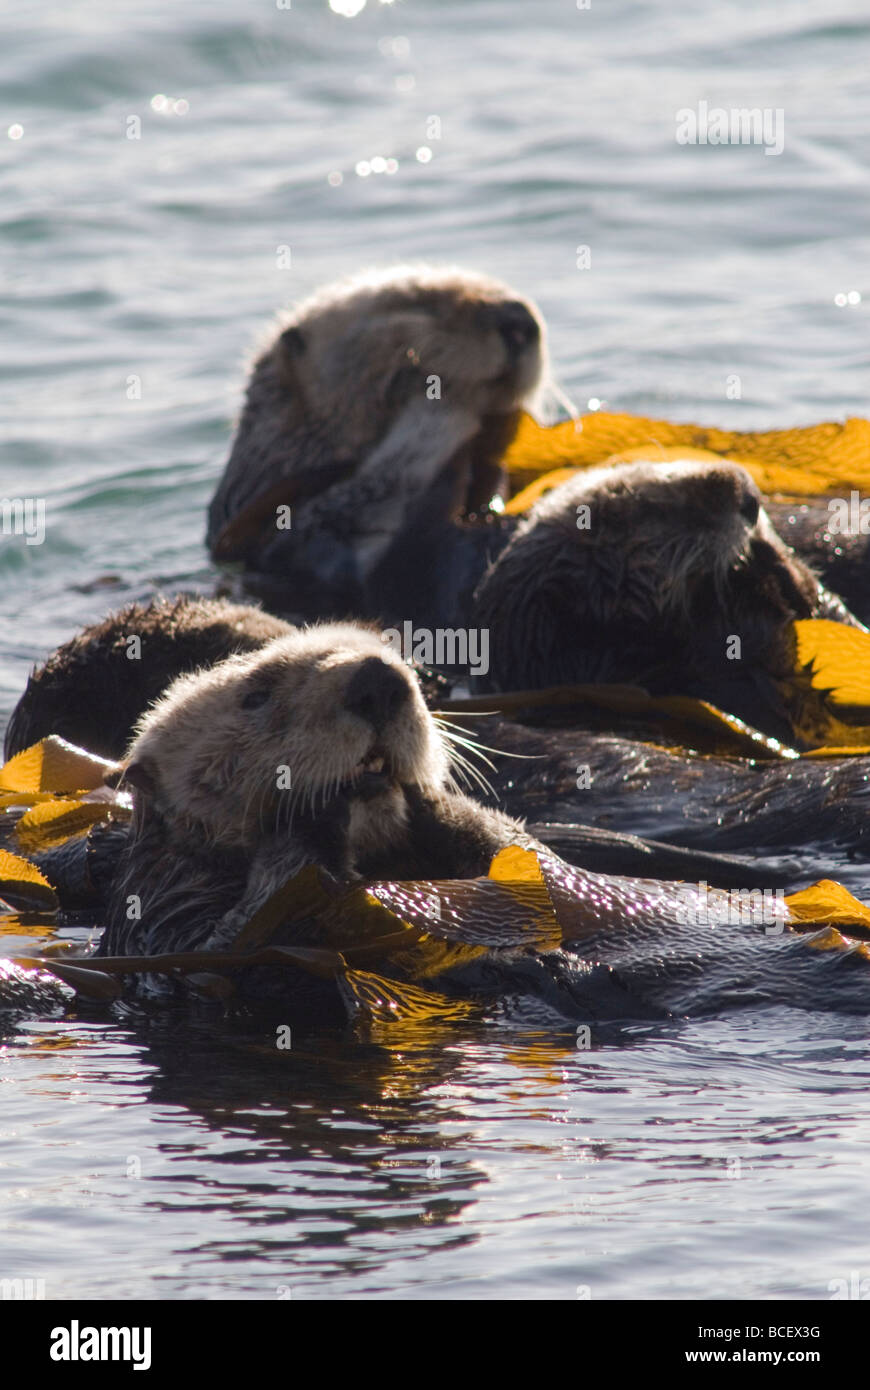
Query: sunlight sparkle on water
(377,165)
(169,106)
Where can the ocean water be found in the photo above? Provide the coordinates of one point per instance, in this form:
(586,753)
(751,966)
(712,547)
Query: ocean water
(718,1158)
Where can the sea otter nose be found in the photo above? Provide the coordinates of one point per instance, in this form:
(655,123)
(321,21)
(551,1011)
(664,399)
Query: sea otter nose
(376,693)
(517,325)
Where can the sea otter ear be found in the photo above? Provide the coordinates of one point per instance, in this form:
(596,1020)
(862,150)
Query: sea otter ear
(138,775)
(292,342)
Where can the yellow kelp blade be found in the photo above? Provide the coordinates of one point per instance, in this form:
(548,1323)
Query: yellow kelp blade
(426,927)
(750,742)
(413,929)
(828,695)
(53,822)
(477,911)
(360,923)
(830,939)
(840,660)
(833,750)
(374,999)
(304,895)
(90,984)
(829,903)
(733,734)
(354,925)
(10,800)
(513,864)
(805,462)
(36,924)
(22,885)
(309,909)
(53,765)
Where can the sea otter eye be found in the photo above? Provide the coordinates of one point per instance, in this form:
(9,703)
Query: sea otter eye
(257,697)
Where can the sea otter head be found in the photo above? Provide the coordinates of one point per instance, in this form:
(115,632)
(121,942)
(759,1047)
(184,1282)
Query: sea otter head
(360,350)
(446,355)
(644,567)
(678,530)
(324,727)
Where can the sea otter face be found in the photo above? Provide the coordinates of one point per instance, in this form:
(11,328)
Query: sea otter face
(666,534)
(263,741)
(645,573)
(358,352)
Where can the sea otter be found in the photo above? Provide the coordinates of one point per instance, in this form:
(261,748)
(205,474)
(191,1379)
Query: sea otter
(92,694)
(94,688)
(316,749)
(665,575)
(377,414)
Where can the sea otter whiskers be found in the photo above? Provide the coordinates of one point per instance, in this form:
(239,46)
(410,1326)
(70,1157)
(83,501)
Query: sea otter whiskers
(384,398)
(667,575)
(317,749)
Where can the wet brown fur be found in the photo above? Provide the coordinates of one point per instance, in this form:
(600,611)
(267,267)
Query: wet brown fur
(677,561)
(91,693)
(338,422)
(371,791)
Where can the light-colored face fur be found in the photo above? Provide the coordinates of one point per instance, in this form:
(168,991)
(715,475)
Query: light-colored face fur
(669,525)
(367,345)
(208,757)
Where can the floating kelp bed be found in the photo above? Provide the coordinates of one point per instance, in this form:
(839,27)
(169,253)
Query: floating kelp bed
(809,461)
(587,947)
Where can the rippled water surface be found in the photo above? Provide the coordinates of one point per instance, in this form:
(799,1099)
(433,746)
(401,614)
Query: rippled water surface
(721,1158)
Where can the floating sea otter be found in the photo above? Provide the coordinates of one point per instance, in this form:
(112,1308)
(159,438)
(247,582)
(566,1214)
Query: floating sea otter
(92,693)
(94,688)
(316,749)
(374,421)
(665,575)
(319,750)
